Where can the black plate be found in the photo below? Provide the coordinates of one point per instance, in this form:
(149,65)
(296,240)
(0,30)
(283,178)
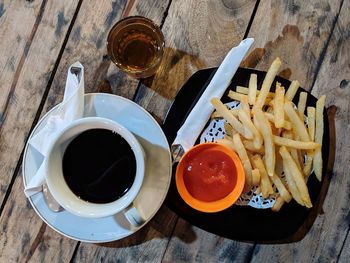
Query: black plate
(243,223)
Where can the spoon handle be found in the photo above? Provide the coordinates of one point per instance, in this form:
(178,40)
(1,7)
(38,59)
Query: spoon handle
(50,201)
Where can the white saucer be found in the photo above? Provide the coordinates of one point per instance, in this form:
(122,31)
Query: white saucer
(154,188)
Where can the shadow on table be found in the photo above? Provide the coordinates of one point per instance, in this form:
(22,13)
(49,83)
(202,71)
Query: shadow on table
(176,67)
(161,226)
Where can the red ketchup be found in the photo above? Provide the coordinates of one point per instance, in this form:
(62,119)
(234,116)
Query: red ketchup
(209,175)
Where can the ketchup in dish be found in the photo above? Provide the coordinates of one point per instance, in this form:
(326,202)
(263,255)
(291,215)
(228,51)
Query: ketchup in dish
(209,175)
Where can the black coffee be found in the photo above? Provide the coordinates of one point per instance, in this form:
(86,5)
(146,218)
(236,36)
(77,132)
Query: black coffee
(99,166)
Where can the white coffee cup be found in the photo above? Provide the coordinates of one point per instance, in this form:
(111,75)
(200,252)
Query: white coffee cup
(65,196)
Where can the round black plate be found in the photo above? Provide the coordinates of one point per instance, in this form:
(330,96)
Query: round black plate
(243,223)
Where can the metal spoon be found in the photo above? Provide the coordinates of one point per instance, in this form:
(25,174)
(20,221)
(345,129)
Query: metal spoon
(50,201)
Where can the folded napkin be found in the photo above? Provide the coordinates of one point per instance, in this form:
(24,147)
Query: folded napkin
(195,122)
(70,109)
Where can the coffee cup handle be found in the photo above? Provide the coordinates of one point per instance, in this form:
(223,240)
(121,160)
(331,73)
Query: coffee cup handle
(133,216)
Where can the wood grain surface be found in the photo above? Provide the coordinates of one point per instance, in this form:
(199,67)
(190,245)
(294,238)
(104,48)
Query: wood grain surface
(86,43)
(326,240)
(195,41)
(191,244)
(296,31)
(36,39)
(149,244)
(40,39)
(198,34)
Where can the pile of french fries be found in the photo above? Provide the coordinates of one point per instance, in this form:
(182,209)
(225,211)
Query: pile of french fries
(270,136)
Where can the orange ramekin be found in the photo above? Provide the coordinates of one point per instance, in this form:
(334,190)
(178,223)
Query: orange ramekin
(215,206)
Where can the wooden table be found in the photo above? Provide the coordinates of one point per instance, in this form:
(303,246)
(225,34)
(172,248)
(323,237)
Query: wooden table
(41,38)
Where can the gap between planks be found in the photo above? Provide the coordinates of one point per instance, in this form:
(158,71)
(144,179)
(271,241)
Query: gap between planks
(325,47)
(22,60)
(125,13)
(318,67)
(161,26)
(46,92)
(250,255)
(12,90)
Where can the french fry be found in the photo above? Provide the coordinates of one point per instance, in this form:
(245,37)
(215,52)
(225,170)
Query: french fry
(275,131)
(255,177)
(293,151)
(282,141)
(297,176)
(265,183)
(228,143)
(258,189)
(302,104)
(236,96)
(300,159)
(265,130)
(241,89)
(229,130)
(241,151)
(245,91)
(279,162)
(307,167)
(311,115)
(278,204)
(245,106)
(278,106)
(252,89)
(273,139)
(286,124)
(293,87)
(265,88)
(245,119)
(216,115)
(295,156)
(281,188)
(232,120)
(299,126)
(319,137)
(287,135)
(291,184)
(249,145)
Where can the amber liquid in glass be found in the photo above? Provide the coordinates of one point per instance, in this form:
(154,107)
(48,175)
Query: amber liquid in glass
(136,48)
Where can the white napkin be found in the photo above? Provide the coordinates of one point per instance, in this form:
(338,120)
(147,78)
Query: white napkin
(70,109)
(195,122)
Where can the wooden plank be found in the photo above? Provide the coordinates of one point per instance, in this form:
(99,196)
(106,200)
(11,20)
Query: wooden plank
(23,84)
(37,51)
(198,35)
(327,238)
(31,239)
(24,237)
(15,39)
(345,252)
(297,32)
(87,44)
(181,66)
(191,244)
(146,245)
(35,40)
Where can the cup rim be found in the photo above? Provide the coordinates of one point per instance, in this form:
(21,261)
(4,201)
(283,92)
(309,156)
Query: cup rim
(72,202)
(125,21)
(218,205)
